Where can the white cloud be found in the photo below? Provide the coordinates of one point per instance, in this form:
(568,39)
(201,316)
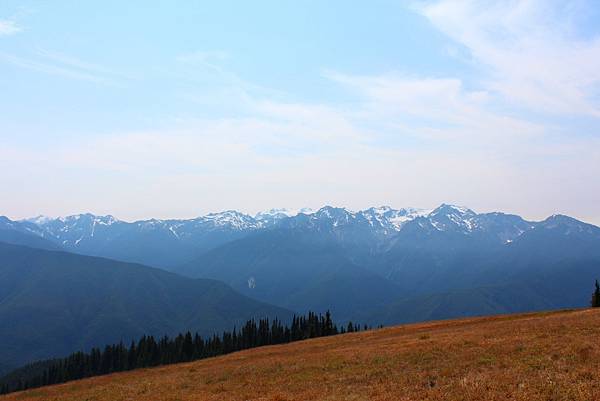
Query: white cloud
(529,50)
(8,27)
(436,109)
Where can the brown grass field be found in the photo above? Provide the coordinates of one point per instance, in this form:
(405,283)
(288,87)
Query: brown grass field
(541,356)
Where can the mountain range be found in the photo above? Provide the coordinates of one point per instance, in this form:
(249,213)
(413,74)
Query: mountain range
(169,243)
(376,266)
(369,269)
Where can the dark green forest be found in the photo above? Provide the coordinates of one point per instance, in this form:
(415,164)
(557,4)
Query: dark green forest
(149,351)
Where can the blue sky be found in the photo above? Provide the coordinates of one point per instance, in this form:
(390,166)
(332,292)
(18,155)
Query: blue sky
(146,109)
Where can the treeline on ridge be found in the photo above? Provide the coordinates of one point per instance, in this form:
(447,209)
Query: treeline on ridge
(149,351)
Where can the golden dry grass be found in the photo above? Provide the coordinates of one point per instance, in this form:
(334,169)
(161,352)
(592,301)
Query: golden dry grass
(543,356)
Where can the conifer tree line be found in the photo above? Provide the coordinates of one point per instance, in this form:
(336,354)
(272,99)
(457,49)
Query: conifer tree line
(149,351)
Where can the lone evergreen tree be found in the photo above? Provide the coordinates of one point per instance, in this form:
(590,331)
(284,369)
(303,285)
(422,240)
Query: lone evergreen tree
(596,296)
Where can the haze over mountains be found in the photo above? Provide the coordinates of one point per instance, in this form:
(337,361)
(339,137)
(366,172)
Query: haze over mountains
(376,266)
(53,303)
(371,270)
(168,243)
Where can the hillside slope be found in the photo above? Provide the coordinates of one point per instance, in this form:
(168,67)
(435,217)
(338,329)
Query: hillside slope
(542,356)
(297,270)
(54,303)
(13,233)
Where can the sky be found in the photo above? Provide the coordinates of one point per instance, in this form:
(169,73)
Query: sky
(146,109)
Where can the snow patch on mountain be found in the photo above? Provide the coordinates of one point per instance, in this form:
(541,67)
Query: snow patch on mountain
(282,213)
(232,219)
(38,220)
(389,218)
(450,217)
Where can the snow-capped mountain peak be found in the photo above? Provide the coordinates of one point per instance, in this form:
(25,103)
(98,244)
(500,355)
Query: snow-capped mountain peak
(105,220)
(448,209)
(334,212)
(281,213)
(38,220)
(274,213)
(84,218)
(232,219)
(451,217)
(392,219)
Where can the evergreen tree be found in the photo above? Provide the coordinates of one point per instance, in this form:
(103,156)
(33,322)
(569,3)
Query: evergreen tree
(596,296)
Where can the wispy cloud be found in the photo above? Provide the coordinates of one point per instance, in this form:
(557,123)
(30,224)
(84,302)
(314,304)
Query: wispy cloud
(80,65)
(440,109)
(530,51)
(9,27)
(54,63)
(206,79)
